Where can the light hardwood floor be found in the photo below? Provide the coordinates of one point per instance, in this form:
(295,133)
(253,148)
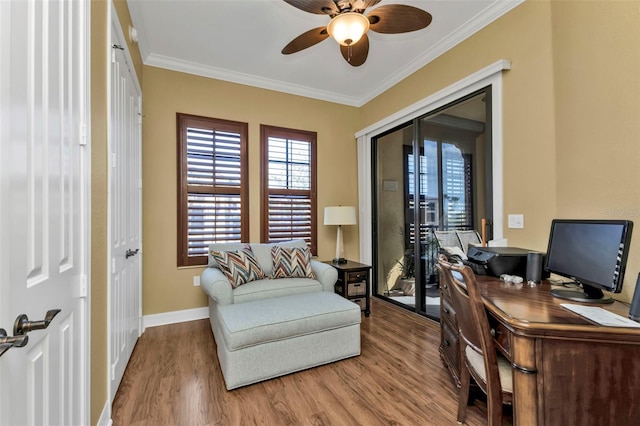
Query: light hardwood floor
(174,378)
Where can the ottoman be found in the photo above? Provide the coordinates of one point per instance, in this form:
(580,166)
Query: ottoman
(267,338)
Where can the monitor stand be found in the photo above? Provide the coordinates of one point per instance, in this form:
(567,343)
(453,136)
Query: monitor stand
(587,294)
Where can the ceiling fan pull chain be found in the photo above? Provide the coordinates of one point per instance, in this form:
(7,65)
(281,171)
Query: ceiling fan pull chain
(349,53)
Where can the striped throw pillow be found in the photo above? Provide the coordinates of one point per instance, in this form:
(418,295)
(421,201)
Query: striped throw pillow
(292,262)
(239,266)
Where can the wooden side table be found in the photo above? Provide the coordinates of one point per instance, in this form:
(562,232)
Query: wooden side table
(353,283)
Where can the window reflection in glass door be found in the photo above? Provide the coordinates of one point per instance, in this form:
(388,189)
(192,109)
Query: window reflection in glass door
(431,174)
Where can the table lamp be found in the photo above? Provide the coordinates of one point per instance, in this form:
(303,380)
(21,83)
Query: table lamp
(339,215)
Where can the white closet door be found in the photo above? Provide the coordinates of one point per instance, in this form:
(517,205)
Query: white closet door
(125,211)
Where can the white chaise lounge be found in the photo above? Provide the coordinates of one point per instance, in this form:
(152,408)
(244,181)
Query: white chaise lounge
(270,327)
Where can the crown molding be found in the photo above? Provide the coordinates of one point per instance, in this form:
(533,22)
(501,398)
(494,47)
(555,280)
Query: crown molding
(494,11)
(464,31)
(247,79)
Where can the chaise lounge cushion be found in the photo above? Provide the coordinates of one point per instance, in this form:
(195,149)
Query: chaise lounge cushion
(260,321)
(265,289)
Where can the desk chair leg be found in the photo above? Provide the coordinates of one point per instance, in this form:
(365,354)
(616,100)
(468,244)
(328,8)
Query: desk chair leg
(494,409)
(463,397)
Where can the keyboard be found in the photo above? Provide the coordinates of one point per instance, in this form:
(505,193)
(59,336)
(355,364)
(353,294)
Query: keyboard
(601,316)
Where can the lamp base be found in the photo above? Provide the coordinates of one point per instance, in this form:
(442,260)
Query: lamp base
(340,261)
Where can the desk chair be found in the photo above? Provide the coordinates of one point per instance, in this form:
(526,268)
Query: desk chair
(491,371)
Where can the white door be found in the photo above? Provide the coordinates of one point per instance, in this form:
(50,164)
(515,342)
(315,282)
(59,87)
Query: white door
(125,210)
(44,199)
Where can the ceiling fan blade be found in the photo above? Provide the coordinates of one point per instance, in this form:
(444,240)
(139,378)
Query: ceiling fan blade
(320,7)
(363,4)
(305,40)
(398,18)
(356,54)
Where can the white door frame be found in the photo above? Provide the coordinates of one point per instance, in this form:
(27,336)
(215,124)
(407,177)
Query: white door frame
(115,25)
(488,76)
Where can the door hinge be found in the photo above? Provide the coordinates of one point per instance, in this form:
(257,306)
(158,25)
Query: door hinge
(113,266)
(113,159)
(83,134)
(113,52)
(83,286)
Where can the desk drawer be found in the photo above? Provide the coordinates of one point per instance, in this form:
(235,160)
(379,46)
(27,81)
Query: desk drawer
(450,347)
(501,335)
(447,311)
(444,291)
(353,277)
(357,289)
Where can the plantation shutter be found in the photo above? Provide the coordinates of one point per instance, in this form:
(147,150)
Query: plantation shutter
(213,189)
(425,224)
(289,192)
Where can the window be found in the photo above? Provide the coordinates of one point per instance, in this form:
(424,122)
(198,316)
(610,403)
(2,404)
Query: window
(428,205)
(288,185)
(212,185)
(445,189)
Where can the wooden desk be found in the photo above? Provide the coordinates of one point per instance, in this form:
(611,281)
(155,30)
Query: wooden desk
(566,369)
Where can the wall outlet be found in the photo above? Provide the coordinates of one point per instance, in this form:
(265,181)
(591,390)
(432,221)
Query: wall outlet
(516,221)
(196,280)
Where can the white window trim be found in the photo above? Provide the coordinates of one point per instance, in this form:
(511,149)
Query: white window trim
(488,76)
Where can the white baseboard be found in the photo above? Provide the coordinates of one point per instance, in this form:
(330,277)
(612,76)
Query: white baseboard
(174,317)
(105,416)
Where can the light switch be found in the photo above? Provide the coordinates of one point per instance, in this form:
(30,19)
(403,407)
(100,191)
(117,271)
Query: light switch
(516,221)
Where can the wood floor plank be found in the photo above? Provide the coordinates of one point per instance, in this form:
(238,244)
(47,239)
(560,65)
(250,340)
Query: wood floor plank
(174,378)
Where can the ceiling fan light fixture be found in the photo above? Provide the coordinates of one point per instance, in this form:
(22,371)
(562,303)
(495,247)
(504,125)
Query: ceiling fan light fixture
(348,28)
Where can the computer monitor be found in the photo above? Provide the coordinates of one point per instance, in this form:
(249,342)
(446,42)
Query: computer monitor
(593,253)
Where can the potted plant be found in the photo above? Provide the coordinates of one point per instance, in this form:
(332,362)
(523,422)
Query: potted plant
(407,280)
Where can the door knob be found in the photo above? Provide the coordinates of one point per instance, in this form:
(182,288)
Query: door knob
(130,253)
(23,325)
(8,342)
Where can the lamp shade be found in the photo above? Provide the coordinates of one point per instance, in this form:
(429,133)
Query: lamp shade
(340,215)
(347,28)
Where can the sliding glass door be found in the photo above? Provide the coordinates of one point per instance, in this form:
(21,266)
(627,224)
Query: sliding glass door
(431,174)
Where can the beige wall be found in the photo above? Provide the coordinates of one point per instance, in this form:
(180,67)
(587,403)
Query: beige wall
(571,139)
(597,89)
(167,288)
(571,106)
(99,28)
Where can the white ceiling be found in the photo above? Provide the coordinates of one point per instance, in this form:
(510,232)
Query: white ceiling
(241,40)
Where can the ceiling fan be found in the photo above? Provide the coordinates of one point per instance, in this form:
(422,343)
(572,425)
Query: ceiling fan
(349,25)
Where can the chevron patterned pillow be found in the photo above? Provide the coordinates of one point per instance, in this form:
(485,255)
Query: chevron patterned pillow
(292,262)
(239,266)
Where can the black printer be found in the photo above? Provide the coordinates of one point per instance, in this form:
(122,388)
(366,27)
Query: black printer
(500,260)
